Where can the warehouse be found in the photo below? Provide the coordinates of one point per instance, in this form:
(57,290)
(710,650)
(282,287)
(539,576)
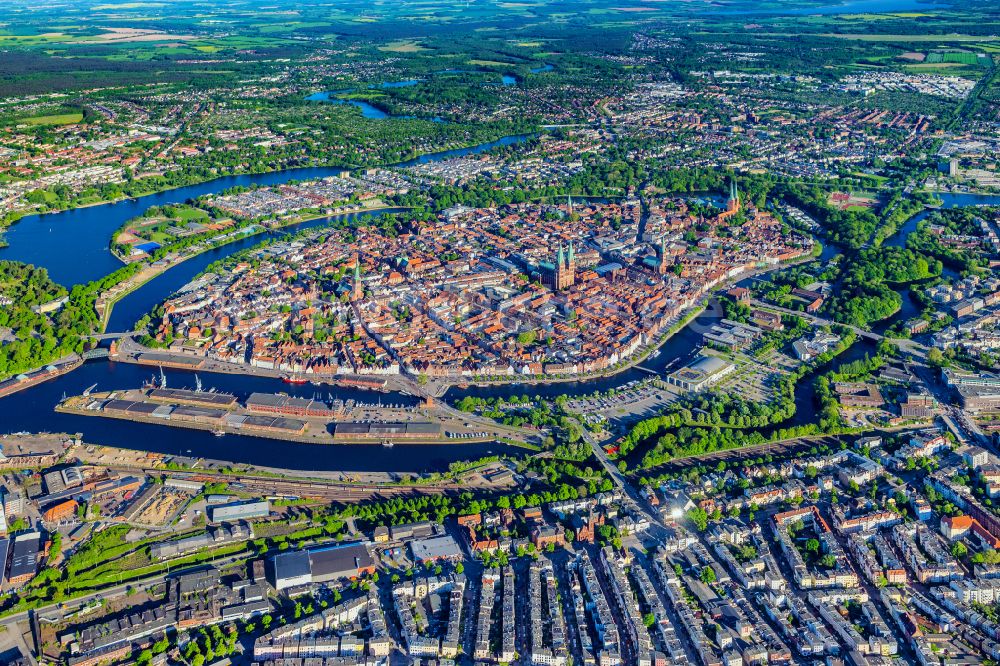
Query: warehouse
(186,397)
(341,561)
(321,565)
(419,530)
(700,373)
(271,403)
(170,360)
(292,569)
(274,424)
(238,511)
(435,549)
(197,414)
(416,430)
(4,550)
(24,560)
(133,408)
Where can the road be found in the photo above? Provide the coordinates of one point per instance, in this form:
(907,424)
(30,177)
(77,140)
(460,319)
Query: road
(909,346)
(620,480)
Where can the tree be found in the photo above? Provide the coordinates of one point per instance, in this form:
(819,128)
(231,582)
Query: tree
(649,619)
(935,357)
(707,575)
(698,517)
(459,568)
(959,550)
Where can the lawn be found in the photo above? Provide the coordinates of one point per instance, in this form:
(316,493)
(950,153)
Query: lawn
(489,63)
(188,214)
(963,57)
(56,119)
(403,47)
(953,37)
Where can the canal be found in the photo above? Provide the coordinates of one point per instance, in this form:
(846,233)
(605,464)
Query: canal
(74,247)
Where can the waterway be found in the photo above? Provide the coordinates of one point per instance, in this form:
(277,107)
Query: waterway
(74,247)
(32,410)
(400,84)
(948,200)
(909,308)
(374,113)
(367,110)
(848,7)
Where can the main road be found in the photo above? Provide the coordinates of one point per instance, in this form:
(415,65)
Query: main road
(909,346)
(621,481)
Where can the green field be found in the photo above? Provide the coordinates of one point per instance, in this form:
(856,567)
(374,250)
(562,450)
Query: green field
(56,119)
(961,57)
(953,37)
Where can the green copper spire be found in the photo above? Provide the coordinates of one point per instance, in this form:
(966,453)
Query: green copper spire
(572,255)
(559,257)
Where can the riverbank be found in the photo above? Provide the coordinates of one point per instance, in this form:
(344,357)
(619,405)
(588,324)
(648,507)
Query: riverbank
(72,243)
(642,354)
(39,375)
(106,301)
(311,436)
(276,416)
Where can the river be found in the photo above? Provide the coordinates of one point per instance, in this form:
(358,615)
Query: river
(848,7)
(909,308)
(73,246)
(948,200)
(31,410)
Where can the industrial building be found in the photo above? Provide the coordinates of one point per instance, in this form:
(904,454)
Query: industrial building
(320,565)
(700,373)
(24,558)
(238,511)
(415,430)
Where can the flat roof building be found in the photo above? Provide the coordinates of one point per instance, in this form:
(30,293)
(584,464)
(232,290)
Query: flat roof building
(320,565)
(442,547)
(414,430)
(4,551)
(292,569)
(238,511)
(700,373)
(24,559)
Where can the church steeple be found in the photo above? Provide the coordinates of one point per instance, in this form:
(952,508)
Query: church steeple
(565,270)
(661,255)
(357,290)
(734,197)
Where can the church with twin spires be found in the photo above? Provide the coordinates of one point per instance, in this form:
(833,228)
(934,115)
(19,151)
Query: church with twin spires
(565,270)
